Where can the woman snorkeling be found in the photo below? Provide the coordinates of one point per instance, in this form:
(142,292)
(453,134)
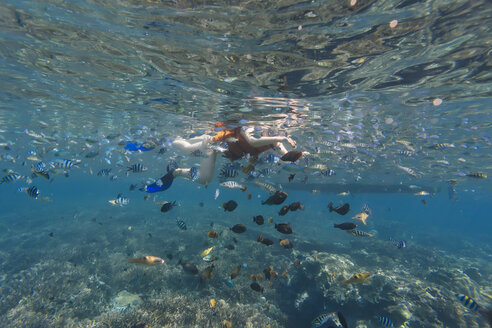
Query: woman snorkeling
(240,142)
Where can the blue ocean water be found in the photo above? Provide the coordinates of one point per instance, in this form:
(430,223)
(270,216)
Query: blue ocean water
(392,98)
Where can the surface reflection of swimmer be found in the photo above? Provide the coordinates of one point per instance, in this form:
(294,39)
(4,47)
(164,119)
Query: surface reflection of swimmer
(240,142)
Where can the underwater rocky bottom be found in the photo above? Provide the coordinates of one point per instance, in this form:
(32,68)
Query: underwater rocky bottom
(82,278)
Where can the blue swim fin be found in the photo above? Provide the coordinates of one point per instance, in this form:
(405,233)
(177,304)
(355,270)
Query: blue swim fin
(161,184)
(136,147)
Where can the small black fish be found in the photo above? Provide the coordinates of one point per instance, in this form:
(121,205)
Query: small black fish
(284,228)
(276,199)
(256,287)
(132,187)
(168,206)
(201,204)
(51,234)
(291,156)
(229,247)
(169,256)
(265,241)
(239,228)
(291,177)
(342,209)
(229,206)
(284,210)
(346,226)
(234,239)
(189,268)
(296,206)
(150,235)
(259,220)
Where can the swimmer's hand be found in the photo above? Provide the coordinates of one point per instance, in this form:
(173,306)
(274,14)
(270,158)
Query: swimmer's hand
(291,141)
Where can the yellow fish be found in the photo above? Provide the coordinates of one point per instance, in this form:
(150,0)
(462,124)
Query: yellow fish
(147,260)
(345,193)
(315,191)
(362,217)
(207,251)
(477,175)
(358,278)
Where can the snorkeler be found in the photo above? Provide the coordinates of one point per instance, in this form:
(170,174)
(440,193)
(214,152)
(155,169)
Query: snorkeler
(240,142)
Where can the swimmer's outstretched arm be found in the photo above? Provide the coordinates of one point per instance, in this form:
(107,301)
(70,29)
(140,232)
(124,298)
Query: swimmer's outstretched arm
(193,144)
(263,141)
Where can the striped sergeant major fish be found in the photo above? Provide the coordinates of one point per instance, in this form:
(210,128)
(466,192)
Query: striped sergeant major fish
(359,233)
(398,243)
(181,224)
(385,322)
(266,186)
(442,146)
(467,301)
(266,171)
(12,177)
(228,172)
(40,168)
(199,153)
(272,159)
(103,172)
(194,173)
(328,173)
(408,171)
(137,168)
(119,201)
(233,185)
(406,153)
(325,319)
(32,191)
(62,163)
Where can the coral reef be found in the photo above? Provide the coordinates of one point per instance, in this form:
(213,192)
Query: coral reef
(93,285)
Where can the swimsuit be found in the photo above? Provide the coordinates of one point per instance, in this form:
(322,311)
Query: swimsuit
(241,147)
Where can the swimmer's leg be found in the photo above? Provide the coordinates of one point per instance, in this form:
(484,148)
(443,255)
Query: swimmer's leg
(206,172)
